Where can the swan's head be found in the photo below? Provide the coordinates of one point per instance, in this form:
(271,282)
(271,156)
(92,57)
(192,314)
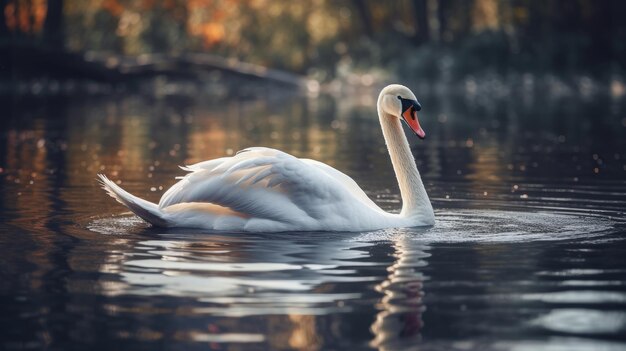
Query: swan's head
(399,101)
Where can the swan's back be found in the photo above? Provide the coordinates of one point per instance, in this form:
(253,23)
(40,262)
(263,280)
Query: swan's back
(262,189)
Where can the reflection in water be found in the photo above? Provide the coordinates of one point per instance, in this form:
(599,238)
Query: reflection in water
(529,234)
(289,281)
(583,321)
(400,321)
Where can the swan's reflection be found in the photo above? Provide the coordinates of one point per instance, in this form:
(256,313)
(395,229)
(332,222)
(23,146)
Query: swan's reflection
(294,290)
(400,320)
(275,289)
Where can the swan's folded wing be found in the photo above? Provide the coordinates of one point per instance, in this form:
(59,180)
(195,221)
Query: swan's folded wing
(258,182)
(207,165)
(348,183)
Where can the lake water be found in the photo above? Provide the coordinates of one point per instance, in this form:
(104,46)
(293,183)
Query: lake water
(528,252)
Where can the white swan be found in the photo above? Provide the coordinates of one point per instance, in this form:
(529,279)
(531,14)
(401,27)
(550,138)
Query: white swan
(262,189)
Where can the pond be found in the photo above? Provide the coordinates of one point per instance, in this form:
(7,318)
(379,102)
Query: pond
(527,252)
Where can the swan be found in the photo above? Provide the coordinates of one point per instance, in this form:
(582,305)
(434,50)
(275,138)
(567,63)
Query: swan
(267,190)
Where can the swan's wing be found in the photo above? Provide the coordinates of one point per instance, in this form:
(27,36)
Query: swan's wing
(208,165)
(260,182)
(348,183)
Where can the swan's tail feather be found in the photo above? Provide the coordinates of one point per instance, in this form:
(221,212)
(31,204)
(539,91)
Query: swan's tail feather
(148,211)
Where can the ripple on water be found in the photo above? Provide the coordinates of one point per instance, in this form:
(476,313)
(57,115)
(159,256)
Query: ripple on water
(272,266)
(121,224)
(583,321)
(501,226)
(451,226)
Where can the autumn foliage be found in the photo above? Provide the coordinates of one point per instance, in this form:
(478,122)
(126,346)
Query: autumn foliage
(305,35)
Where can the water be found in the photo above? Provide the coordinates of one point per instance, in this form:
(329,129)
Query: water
(527,253)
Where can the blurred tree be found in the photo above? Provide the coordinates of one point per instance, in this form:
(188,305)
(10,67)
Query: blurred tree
(365,16)
(603,22)
(485,15)
(163,27)
(422,34)
(23,17)
(4,29)
(53,26)
(442,19)
(320,35)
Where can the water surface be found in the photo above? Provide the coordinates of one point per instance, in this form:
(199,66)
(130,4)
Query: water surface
(527,253)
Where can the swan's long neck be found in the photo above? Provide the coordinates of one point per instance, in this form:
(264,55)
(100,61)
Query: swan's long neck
(415,201)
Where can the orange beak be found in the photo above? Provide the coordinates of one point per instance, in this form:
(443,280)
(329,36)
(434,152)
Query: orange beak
(410,117)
